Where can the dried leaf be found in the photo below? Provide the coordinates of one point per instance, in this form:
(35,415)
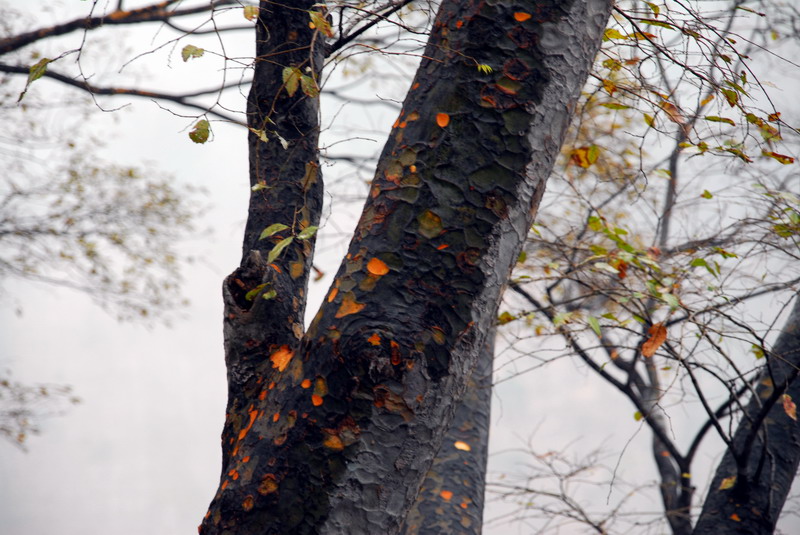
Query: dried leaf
(789,406)
(727,483)
(658,334)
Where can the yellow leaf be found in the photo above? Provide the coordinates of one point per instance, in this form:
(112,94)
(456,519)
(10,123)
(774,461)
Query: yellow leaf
(727,483)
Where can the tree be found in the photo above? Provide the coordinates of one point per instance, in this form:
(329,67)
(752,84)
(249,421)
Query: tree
(450,192)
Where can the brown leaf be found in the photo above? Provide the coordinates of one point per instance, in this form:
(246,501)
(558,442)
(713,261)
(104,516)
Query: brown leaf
(658,334)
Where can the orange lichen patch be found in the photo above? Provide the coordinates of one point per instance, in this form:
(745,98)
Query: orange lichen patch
(438,335)
(395,352)
(234,474)
(413,116)
(442,119)
(735,517)
(280,358)
(463,505)
(442,246)
(446,495)
(243,433)
(262,395)
(333,442)
(306,383)
(349,306)
(403,124)
(246,459)
(248,503)
(224,485)
(268,485)
(521,16)
(459,23)
(332,295)
(415,86)
(378,267)
(276,268)
(396,123)
(316,400)
(374,339)
(412,168)
(295,269)
(320,387)
(271,385)
(461,445)
(276,417)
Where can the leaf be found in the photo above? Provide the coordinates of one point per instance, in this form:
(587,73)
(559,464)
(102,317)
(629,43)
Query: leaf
(484,68)
(585,156)
(320,23)
(789,406)
(594,324)
(611,33)
(259,186)
(782,158)
(706,194)
(614,106)
(201,132)
(272,229)
(648,119)
(727,483)
(35,72)
(654,8)
(291,79)
(254,292)
(505,317)
(707,99)
(278,249)
(442,119)
(715,119)
(262,134)
(658,334)
(607,267)
(638,416)
(671,300)
(731,96)
(307,232)
(270,294)
(251,12)
(191,51)
(309,86)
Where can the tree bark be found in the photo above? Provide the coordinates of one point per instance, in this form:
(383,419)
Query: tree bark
(451,499)
(334,432)
(766,449)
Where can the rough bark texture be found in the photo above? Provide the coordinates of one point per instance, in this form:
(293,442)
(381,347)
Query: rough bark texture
(766,449)
(451,498)
(335,434)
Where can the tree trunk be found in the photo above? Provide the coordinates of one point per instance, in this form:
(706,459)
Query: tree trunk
(766,449)
(450,501)
(333,431)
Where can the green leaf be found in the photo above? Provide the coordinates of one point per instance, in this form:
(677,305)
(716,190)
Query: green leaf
(278,249)
(505,317)
(251,12)
(309,86)
(321,23)
(254,292)
(35,72)
(758,351)
(522,257)
(706,194)
(259,186)
(272,229)
(671,300)
(201,132)
(638,416)
(731,96)
(614,106)
(291,79)
(191,51)
(484,69)
(782,158)
(269,294)
(594,324)
(648,119)
(611,33)
(715,119)
(595,223)
(654,8)
(307,232)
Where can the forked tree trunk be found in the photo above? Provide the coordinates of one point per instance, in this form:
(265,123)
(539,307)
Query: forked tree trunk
(333,430)
(766,449)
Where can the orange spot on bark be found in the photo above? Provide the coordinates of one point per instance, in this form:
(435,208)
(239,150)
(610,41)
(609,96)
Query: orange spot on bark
(276,268)
(736,518)
(246,459)
(521,16)
(443,246)
(403,124)
(234,474)
(459,23)
(442,119)
(395,352)
(276,417)
(378,267)
(280,359)
(262,395)
(412,168)
(224,485)
(374,339)
(306,383)
(333,442)
(316,400)
(396,123)
(349,306)
(243,433)
(248,503)
(446,494)
(268,485)
(271,385)
(416,85)
(332,295)
(461,445)
(464,505)
(413,116)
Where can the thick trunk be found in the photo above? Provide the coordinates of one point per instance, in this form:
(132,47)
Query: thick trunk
(450,501)
(335,434)
(766,449)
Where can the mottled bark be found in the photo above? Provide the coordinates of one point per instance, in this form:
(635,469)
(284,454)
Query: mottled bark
(450,501)
(335,434)
(766,449)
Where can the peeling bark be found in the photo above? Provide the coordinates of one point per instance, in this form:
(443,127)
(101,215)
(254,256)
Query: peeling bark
(766,449)
(335,432)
